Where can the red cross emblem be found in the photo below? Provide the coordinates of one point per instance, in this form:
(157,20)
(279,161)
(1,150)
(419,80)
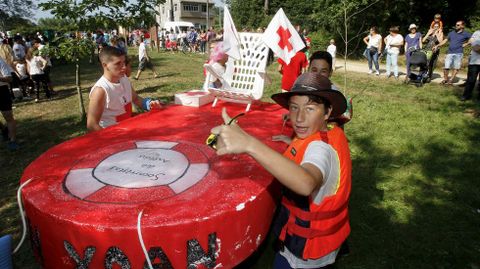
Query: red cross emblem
(284,35)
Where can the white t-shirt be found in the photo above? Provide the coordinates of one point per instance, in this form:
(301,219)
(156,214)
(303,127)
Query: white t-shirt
(142,51)
(374,41)
(21,70)
(395,41)
(4,72)
(475,56)
(172,37)
(325,158)
(118,97)
(35,65)
(332,49)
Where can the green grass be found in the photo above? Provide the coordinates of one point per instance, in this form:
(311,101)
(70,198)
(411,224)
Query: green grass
(415,191)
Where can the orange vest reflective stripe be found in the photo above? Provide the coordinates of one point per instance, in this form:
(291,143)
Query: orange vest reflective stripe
(308,230)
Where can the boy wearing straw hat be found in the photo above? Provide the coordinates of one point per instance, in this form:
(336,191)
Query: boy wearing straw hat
(315,170)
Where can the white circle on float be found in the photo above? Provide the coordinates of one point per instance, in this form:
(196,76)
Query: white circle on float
(141,168)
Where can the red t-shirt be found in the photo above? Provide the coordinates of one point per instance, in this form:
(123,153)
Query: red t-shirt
(293,70)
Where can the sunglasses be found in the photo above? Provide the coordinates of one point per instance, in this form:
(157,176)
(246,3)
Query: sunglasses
(213,138)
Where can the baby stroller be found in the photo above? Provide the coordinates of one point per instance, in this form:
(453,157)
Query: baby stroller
(418,67)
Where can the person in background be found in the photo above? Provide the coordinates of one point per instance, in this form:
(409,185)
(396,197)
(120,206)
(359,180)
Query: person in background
(9,131)
(473,68)
(374,48)
(393,43)
(433,37)
(217,63)
(437,19)
(144,60)
(413,41)
(203,41)
(332,49)
(35,66)
(458,39)
(290,72)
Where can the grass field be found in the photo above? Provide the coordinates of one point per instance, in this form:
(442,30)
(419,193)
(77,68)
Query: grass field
(415,196)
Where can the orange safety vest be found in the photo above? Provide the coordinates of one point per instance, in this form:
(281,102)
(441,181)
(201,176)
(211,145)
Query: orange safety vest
(308,230)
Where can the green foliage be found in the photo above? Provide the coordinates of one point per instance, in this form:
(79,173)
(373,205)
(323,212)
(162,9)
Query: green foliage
(73,49)
(57,24)
(320,40)
(92,14)
(12,11)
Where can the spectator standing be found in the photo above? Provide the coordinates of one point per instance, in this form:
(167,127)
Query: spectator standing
(413,41)
(6,52)
(433,37)
(457,39)
(144,59)
(374,48)
(43,52)
(393,43)
(203,41)
(9,131)
(332,49)
(35,66)
(473,67)
(18,48)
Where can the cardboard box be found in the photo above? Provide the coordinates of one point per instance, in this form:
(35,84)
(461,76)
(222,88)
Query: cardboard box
(195,98)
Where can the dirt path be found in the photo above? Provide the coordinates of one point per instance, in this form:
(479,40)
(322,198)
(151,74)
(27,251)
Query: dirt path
(362,67)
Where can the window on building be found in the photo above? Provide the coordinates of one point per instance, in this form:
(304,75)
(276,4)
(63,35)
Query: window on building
(204,8)
(175,7)
(191,7)
(163,10)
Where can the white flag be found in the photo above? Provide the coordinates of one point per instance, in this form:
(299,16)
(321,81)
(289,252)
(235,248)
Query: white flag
(282,38)
(231,39)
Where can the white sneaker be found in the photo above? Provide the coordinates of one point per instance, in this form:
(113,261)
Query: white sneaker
(377,73)
(370,71)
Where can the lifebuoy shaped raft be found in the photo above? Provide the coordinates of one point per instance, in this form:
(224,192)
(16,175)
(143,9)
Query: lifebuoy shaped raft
(198,210)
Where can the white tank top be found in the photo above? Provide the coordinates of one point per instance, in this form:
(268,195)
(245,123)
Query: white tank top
(118,101)
(35,65)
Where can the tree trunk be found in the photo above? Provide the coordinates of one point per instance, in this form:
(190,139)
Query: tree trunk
(79,90)
(265,6)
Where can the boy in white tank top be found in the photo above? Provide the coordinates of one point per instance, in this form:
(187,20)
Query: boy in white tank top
(112,96)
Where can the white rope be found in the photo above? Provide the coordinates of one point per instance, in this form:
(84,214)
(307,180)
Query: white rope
(140,238)
(22,214)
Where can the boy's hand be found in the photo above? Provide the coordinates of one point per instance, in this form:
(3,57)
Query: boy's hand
(282,138)
(231,138)
(155,104)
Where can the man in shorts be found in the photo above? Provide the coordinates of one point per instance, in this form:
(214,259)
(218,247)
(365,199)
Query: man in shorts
(8,132)
(457,39)
(144,60)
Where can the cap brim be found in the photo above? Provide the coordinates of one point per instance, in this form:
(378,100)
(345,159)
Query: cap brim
(336,99)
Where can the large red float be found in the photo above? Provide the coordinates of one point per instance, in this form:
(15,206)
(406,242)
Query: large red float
(198,210)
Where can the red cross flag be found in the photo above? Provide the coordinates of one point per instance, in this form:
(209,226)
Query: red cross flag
(282,38)
(231,40)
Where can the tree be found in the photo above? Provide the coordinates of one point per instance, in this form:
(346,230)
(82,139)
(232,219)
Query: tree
(89,14)
(13,10)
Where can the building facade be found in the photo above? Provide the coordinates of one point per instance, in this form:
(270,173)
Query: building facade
(194,11)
